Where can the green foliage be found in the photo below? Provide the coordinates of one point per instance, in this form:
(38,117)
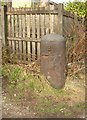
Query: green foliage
(1,72)
(3,3)
(48,106)
(34,90)
(14,75)
(76,6)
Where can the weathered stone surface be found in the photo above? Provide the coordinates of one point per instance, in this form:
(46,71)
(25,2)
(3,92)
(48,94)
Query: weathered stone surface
(53,62)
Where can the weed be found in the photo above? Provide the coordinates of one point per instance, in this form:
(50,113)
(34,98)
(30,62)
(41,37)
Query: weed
(79,105)
(14,75)
(32,85)
(48,107)
(59,91)
(67,112)
(27,86)
(1,71)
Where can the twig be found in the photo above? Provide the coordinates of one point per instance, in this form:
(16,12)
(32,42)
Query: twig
(77,71)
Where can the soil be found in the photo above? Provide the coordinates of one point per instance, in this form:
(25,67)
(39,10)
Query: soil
(23,109)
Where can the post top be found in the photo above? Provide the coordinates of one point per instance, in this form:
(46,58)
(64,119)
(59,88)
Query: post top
(53,37)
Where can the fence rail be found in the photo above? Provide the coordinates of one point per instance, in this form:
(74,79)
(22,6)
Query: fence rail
(22,29)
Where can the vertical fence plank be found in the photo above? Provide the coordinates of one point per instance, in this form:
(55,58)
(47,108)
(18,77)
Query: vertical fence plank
(51,23)
(12,32)
(13,25)
(4,30)
(35,50)
(9,33)
(4,25)
(14,41)
(8,17)
(47,24)
(42,24)
(30,37)
(16,35)
(9,23)
(33,35)
(38,25)
(0,24)
(38,50)
(16,25)
(38,35)
(20,26)
(33,26)
(24,42)
(30,50)
(60,19)
(29,55)
(65,26)
(28,26)
(56,23)
(20,36)
(14,47)
(23,26)
(28,34)
(12,21)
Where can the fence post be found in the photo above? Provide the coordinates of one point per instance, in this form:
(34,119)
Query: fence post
(85,22)
(4,24)
(4,30)
(60,19)
(0,80)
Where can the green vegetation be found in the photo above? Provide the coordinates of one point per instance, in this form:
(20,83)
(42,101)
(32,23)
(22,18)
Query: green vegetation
(77,6)
(34,90)
(1,72)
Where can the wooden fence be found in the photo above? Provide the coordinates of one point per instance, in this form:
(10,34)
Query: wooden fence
(22,29)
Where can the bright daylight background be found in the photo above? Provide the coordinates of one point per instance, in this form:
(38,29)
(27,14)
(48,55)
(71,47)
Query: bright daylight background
(61,1)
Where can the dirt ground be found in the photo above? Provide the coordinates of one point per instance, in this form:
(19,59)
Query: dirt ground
(24,108)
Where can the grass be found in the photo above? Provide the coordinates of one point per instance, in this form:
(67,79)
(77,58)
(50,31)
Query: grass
(32,87)
(1,70)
